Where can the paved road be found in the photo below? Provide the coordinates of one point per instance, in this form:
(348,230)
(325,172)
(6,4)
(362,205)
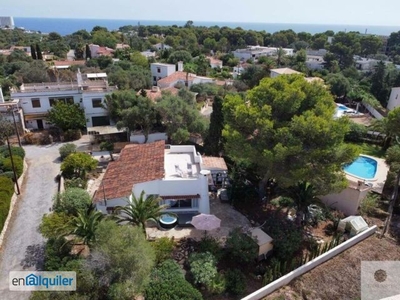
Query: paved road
(24,245)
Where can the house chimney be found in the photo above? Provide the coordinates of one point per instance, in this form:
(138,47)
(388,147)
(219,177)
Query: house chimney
(180,66)
(1,95)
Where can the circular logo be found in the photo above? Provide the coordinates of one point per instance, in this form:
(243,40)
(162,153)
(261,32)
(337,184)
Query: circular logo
(380,275)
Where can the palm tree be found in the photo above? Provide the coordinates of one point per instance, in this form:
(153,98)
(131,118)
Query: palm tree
(85,224)
(281,56)
(140,210)
(381,126)
(303,194)
(108,146)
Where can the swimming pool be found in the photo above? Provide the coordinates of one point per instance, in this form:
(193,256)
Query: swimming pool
(363,167)
(342,107)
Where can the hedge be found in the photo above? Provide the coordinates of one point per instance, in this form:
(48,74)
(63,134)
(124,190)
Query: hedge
(8,174)
(6,192)
(17,151)
(18,163)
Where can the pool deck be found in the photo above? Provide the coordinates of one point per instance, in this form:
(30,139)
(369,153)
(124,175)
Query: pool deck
(380,177)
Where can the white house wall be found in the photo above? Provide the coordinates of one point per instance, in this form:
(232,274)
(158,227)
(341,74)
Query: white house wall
(139,138)
(346,201)
(101,205)
(394,100)
(165,71)
(176,187)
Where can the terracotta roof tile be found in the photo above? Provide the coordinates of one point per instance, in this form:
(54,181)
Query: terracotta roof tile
(137,163)
(176,77)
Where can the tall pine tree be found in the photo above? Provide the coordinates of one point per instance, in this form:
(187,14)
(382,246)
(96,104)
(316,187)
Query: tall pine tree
(213,142)
(379,86)
(39,52)
(88,52)
(33,52)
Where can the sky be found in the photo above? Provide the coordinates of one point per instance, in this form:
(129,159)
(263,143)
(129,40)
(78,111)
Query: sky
(349,12)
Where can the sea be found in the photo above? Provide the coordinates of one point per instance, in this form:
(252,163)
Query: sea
(68,26)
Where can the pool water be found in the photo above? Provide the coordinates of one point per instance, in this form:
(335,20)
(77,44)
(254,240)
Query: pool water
(167,219)
(363,167)
(343,107)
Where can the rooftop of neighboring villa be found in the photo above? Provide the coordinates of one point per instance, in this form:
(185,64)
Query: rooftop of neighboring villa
(285,71)
(182,162)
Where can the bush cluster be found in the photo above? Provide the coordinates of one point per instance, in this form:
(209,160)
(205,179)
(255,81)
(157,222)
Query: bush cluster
(235,282)
(18,155)
(203,268)
(168,282)
(66,150)
(163,248)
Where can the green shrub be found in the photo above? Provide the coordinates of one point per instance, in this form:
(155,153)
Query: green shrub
(210,244)
(286,235)
(241,247)
(168,282)
(163,248)
(8,174)
(18,151)
(77,164)
(18,164)
(75,183)
(203,267)
(6,186)
(218,284)
(71,201)
(356,133)
(66,150)
(283,202)
(235,282)
(72,135)
(369,204)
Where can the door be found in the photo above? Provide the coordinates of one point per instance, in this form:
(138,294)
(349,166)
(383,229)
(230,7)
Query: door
(100,121)
(39,124)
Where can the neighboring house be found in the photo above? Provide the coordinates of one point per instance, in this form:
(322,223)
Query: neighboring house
(88,91)
(315,62)
(97,51)
(148,54)
(71,55)
(174,173)
(160,71)
(394,99)
(7,108)
(365,64)
(26,49)
(215,63)
(122,46)
(283,71)
(255,52)
(66,64)
(161,46)
(239,69)
(155,92)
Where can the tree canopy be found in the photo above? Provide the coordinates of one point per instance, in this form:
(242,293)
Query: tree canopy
(285,129)
(67,116)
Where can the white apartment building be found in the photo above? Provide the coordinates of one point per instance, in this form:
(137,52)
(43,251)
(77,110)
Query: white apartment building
(89,91)
(7,22)
(160,71)
(174,173)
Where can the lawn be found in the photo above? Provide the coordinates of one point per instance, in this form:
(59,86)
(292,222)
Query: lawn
(370,149)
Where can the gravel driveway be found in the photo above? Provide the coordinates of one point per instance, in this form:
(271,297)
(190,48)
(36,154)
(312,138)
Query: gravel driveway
(23,247)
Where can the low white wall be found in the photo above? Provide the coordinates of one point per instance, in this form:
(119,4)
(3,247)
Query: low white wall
(284,280)
(372,110)
(139,138)
(13,204)
(346,201)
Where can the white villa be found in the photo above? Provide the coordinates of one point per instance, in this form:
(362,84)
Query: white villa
(255,52)
(175,173)
(88,91)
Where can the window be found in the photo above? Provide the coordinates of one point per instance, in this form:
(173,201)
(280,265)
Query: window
(35,102)
(158,70)
(154,78)
(96,102)
(181,204)
(66,100)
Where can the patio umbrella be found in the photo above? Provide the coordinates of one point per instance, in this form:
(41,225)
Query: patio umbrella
(206,222)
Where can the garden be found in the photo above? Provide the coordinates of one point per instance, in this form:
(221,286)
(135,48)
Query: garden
(7,177)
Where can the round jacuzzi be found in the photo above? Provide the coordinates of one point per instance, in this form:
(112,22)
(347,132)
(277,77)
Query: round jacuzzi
(168,221)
